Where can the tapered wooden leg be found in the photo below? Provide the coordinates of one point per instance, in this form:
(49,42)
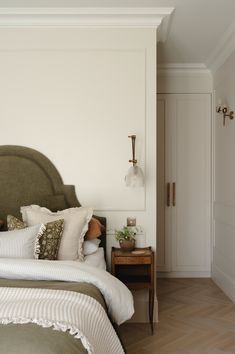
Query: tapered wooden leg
(151,308)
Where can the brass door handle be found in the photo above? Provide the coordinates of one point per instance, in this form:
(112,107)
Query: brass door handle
(168,194)
(173,194)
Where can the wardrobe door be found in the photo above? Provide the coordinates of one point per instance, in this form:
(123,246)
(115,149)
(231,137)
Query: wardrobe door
(191,175)
(187,165)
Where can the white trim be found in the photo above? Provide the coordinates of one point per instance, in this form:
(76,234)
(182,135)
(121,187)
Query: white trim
(225,282)
(132,11)
(123,17)
(213,133)
(164,28)
(182,68)
(223,50)
(185,274)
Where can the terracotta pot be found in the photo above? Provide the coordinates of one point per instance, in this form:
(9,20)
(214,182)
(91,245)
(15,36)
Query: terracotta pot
(127,245)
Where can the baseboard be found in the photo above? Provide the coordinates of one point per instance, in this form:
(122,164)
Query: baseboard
(141,312)
(184,274)
(224,281)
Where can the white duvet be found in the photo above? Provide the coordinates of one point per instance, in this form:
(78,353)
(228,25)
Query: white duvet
(118,298)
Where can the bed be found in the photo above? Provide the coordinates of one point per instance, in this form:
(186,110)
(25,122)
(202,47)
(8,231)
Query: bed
(61,306)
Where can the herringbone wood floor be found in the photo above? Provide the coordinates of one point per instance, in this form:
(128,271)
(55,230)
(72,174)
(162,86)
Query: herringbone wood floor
(195,317)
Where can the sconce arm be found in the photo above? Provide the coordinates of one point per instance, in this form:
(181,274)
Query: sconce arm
(226,113)
(134,161)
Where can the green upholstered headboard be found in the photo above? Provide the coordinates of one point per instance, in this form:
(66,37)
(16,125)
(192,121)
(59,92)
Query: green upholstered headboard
(28,177)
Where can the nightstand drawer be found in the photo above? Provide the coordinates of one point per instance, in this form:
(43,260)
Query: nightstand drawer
(133,260)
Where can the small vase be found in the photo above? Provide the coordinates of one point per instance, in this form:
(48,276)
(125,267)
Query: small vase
(127,245)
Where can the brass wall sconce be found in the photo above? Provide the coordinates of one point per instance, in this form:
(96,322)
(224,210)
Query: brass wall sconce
(225,111)
(135,175)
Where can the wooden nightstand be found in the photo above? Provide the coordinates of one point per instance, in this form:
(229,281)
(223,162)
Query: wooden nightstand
(136,271)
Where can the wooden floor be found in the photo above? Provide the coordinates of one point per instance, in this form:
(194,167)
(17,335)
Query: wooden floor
(195,317)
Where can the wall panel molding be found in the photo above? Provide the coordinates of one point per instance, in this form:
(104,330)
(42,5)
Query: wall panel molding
(123,60)
(75,94)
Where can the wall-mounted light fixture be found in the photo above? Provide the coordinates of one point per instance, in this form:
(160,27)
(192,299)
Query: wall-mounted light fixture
(135,175)
(225,111)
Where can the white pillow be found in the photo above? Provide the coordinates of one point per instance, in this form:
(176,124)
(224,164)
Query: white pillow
(20,243)
(96,259)
(75,226)
(91,246)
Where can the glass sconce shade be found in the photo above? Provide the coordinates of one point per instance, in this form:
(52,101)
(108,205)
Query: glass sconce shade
(134,177)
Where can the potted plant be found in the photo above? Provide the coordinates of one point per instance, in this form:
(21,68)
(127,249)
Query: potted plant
(126,238)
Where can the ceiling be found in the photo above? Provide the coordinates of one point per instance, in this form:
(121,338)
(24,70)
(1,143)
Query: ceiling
(196,28)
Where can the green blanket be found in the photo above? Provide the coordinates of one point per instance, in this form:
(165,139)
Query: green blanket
(33,339)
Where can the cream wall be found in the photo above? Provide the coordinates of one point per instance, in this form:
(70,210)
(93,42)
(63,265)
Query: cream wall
(224,178)
(75,95)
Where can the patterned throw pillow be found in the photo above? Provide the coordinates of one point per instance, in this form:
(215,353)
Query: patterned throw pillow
(14,223)
(75,226)
(49,241)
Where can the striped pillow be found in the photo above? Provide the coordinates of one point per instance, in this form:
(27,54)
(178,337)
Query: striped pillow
(21,243)
(49,241)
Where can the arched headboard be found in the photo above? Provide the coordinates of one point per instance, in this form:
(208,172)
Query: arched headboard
(28,177)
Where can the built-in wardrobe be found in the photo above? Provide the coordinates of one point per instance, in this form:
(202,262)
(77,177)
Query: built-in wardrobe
(184,184)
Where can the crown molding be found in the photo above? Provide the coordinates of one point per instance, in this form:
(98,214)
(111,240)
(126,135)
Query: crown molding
(223,50)
(182,69)
(164,27)
(87,17)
